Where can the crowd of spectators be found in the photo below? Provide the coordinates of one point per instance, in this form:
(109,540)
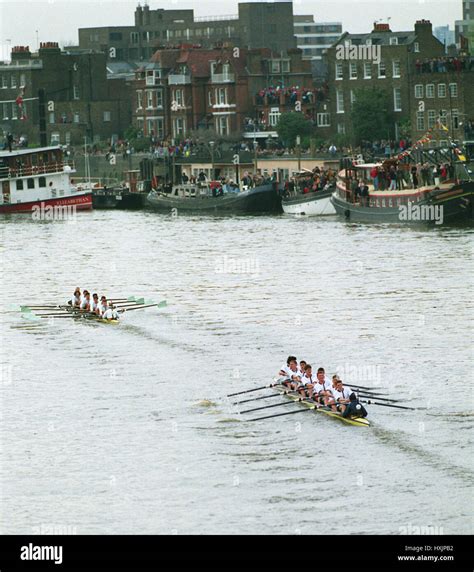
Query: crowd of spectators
(444,64)
(289,95)
(318,180)
(400,177)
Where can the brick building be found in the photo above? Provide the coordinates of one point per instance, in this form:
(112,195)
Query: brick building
(227,90)
(257,25)
(80,100)
(382,59)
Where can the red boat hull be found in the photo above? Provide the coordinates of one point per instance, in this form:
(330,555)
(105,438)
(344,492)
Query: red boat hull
(80,202)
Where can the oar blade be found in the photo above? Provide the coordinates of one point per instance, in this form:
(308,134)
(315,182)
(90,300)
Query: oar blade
(162,304)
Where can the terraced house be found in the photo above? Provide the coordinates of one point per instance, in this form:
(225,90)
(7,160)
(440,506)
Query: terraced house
(229,91)
(385,59)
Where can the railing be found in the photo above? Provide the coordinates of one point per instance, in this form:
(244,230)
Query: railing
(31,170)
(179,79)
(21,64)
(216,18)
(223,78)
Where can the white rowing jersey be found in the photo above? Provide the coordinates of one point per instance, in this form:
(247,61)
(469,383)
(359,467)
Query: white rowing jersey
(289,372)
(110,314)
(308,379)
(318,386)
(75,301)
(85,303)
(94,305)
(344,394)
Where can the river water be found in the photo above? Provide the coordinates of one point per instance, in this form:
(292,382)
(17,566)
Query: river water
(126,429)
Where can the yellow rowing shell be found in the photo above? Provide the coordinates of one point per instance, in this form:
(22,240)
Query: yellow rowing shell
(358,421)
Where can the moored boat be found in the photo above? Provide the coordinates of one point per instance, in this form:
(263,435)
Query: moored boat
(310,204)
(203,197)
(40,178)
(442,202)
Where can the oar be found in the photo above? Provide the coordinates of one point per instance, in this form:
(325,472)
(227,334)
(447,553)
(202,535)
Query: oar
(362,387)
(162,304)
(258,398)
(388,405)
(279,382)
(380,398)
(274,405)
(281,414)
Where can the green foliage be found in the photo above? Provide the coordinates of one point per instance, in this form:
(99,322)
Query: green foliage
(131,133)
(372,116)
(291,125)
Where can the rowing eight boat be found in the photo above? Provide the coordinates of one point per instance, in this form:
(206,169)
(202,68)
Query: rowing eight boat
(358,421)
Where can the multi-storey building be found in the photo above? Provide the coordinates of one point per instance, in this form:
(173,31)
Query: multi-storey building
(257,25)
(229,91)
(80,100)
(382,59)
(445,36)
(464,29)
(314,38)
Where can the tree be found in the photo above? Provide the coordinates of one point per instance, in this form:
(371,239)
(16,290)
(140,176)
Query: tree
(371,115)
(291,125)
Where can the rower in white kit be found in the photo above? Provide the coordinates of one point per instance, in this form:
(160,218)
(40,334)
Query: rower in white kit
(290,370)
(341,396)
(111,313)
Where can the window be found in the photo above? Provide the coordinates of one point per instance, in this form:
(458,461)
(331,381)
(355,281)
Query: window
(221,96)
(431,118)
(13,80)
(274,116)
(382,70)
(397,99)
(14,111)
(420,120)
(22,80)
(285,66)
(134,37)
(30,183)
(353,97)
(419,91)
(341,128)
(275,66)
(139,99)
(323,119)
(160,127)
(223,125)
(396,68)
(178,97)
(443,116)
(5,111)
(179,126)
(149,99)
(76,117)
(430,90)
(51,117)
(339,71)
(353,70)
(441,90)
(453,89)
(209,95)
(107,116)
(75,92)
(42,181)
(394,41)
(455,118)
(340,101)
(416,47)
(19,184)
(367,70)
(159,98)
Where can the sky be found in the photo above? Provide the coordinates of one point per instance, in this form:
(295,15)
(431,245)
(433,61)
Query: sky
(23,22)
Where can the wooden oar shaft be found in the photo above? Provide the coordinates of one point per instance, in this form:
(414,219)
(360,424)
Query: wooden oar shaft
(252,390)
(282,414)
